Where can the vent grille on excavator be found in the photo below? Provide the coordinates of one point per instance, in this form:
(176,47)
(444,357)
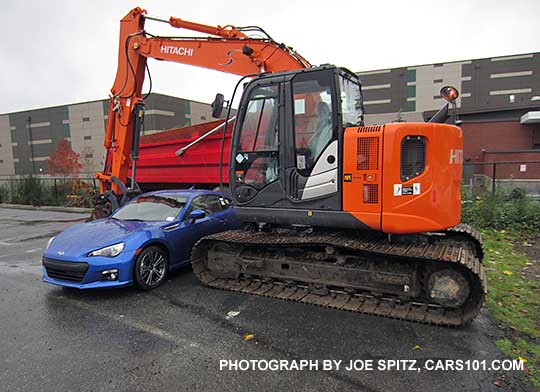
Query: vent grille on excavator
(369,128)
(368,153)
(371,193)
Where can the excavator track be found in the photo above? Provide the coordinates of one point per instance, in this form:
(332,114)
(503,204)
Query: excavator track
(395,272)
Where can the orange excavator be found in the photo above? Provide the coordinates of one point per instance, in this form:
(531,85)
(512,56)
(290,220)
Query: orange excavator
(230,50)
(337,214)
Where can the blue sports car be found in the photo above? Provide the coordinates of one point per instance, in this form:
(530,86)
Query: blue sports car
(139,243)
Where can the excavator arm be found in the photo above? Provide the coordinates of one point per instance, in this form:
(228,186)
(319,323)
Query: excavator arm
(227,49)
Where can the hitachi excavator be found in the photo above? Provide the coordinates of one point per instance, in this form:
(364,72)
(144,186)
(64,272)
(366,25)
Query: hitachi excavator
(337,214)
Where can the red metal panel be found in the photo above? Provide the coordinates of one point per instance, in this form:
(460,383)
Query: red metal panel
(199,164)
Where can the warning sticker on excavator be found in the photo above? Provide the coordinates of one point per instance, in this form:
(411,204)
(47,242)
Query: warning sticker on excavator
(400,190)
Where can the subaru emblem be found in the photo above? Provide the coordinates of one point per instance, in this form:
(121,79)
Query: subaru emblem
(61,252)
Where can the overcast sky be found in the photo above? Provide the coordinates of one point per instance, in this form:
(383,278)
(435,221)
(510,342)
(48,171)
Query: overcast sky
(58,52)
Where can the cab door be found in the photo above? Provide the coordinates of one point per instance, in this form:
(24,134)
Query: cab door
(256,152)
(312,159)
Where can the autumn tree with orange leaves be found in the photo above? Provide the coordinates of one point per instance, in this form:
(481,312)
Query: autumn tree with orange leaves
(64,161)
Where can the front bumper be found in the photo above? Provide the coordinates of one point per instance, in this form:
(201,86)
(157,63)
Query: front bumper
(86,273)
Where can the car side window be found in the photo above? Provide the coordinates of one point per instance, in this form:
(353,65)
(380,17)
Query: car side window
(198,203)
(213,203)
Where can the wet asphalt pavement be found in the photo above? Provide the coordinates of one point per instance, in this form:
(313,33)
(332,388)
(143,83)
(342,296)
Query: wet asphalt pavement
(173,338)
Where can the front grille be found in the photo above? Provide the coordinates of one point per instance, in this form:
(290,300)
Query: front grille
(65,270)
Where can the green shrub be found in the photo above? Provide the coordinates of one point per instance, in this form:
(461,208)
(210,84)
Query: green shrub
(502,210)
(29,190)
(5,196)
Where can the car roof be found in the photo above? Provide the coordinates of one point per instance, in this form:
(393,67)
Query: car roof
(189,193)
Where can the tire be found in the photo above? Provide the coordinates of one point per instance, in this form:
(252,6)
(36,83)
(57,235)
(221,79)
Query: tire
(150,268)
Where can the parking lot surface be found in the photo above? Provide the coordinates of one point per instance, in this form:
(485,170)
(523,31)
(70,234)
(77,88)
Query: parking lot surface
(173,338)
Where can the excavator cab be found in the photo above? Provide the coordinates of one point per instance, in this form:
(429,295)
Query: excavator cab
(301,156)
(287,142)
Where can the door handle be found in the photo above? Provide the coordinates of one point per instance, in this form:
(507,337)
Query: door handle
(171,227)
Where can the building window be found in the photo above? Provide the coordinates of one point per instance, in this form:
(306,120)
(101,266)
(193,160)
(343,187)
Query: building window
(411,106)
(203,118)
(436,97)
(411,75)
(438,65)
(88,138)
(411,91)
(1,161)
(86,119)
(89,155)
(438,81)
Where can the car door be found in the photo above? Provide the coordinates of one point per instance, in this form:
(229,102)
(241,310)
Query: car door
(182,234)
(192,231)
(220,213)
(227,214)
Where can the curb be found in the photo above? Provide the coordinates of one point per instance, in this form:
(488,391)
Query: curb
(47,208)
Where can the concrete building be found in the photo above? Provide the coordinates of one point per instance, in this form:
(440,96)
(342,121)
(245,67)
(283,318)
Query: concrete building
(488,84)
(28,138)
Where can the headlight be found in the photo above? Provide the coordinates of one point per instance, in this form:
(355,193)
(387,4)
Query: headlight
(49,243)
(109,251)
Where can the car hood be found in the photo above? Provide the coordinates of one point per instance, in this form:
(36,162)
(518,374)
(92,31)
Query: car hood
(78,240)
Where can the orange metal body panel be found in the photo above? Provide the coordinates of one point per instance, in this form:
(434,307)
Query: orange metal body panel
(362,174)
(436,202)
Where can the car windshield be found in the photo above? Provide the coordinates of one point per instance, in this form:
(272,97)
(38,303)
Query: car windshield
(152,208)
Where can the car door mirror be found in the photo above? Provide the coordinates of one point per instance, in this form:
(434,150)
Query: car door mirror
(196,215)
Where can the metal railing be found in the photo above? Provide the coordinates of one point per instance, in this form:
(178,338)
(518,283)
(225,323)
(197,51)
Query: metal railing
(76,191)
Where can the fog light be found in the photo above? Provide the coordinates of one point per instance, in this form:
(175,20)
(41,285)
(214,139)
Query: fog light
(110,274)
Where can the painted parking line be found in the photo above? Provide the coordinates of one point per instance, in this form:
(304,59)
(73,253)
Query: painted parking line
(150,329)
(232,314)
(32,250)
(235,312)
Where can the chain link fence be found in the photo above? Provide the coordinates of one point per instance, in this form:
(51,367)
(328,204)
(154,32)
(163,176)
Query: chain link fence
(505,177)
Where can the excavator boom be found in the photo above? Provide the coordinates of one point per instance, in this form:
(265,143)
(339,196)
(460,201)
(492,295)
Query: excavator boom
(228,50)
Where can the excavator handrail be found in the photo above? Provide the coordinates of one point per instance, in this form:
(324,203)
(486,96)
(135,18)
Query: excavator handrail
(210,132)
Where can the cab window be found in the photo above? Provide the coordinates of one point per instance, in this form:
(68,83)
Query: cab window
(313,117)
(257,158)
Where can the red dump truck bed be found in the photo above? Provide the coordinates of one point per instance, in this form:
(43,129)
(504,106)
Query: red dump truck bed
(159,167)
